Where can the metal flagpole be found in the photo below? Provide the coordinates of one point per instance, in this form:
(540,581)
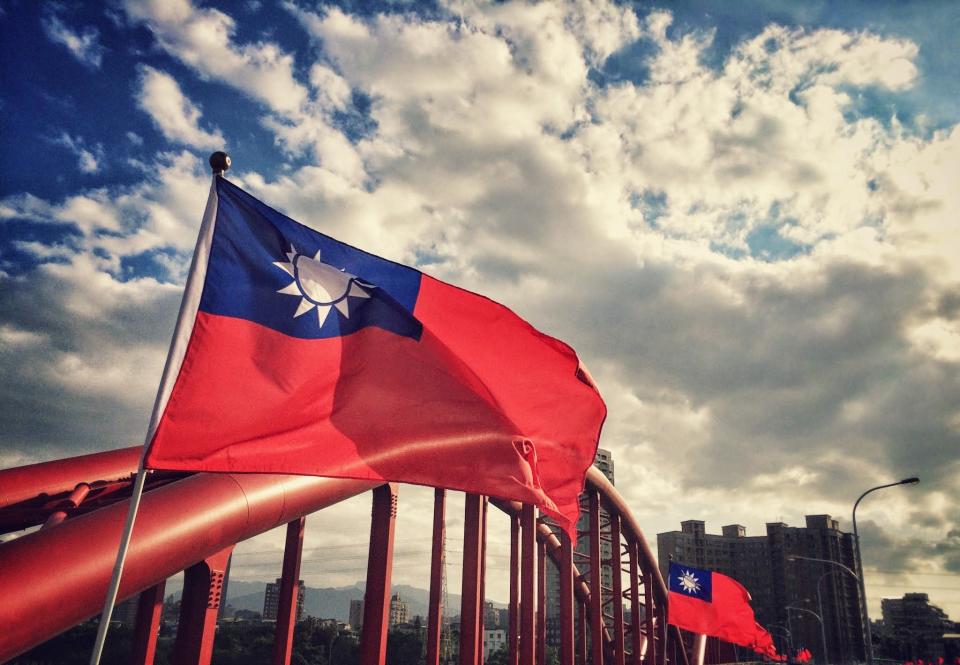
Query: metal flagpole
(219,162)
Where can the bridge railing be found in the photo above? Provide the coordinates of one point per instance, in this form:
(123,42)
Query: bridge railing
(609,599)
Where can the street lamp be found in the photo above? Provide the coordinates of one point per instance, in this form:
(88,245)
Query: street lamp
(823,630)
(783,631)
(797,557)
(856,541)
(823,636)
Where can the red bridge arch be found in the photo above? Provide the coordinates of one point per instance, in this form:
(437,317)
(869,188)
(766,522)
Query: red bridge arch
(55,577)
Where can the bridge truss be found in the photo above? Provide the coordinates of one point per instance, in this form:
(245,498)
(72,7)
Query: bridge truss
(55,576)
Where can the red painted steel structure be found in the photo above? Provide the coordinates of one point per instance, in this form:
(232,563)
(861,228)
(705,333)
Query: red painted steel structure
(471,602)
(147,626)
(438,551)
(199,606)
(513,628)
(289,593)
(376,598)
(192,522)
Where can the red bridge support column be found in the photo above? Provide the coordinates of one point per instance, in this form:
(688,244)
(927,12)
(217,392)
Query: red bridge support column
(149,611)
(664,654)
(435,611)
(376,598)
(289,593)
(652,650)
(582,633)
(202,584)
(596,582)
(483,579)
(616,590)
(635,634)
(541,602)
(528,603)
(513,629)
(566,599)
(471,603)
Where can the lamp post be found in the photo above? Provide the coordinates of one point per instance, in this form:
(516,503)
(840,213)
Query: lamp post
(783,631)
(823,630)
(819,618)
(865,617)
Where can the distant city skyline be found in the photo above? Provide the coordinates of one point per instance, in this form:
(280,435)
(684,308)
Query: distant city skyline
(743,216)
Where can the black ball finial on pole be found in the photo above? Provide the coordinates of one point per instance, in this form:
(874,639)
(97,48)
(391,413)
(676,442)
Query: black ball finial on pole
(219,162)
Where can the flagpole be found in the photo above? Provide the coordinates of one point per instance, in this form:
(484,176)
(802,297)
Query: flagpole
(219,163)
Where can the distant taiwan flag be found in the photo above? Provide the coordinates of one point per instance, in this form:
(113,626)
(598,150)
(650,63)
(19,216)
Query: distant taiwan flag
(295,353)
(703,601)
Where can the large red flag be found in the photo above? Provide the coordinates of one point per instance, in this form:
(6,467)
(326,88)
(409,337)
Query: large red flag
(296,353)
(703,601)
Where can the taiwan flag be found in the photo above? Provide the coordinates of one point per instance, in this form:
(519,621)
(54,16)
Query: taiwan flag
(703,601)
(298,354)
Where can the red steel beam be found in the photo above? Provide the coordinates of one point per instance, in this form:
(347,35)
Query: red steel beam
(470,601)
(652,650)
(289,593)
(545,534)
(481,615)
(528,539)
(435,611)
(615,503)
(76,497)
(513,628)
(61,476)
(616,591)
(376,597)
(199,606)
(178,524)
(147,626)
(565,572)
(596,580)
(582,632)
(635,633)
(541,601)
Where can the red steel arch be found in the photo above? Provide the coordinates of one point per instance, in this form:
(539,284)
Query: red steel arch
(190,522)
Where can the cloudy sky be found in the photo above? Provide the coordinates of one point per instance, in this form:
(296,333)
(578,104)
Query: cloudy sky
(743,217)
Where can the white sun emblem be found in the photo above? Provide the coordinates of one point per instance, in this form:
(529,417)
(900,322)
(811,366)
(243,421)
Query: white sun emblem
(689,582)
(319,285)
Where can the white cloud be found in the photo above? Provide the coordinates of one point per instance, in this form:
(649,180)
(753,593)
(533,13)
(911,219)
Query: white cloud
(84,45)
(13,338)
(172,112)
(88,159)
(203,39)
(162,212)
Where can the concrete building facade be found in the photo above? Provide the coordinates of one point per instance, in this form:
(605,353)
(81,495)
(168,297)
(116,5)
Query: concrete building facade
(913,628)
(271,600)
(398,610)
(356,614)
(493,640)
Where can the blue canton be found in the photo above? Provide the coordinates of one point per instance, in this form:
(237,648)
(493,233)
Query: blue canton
(243,280)
(691,582)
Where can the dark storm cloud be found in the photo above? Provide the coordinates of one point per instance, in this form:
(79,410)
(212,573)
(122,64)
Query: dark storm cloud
(85,380)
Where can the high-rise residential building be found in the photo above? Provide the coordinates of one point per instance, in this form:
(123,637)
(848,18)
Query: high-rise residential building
(398,610)
(766,566)
(493,640)
(604,462)
(271,600)
(356,614)
(913,628)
